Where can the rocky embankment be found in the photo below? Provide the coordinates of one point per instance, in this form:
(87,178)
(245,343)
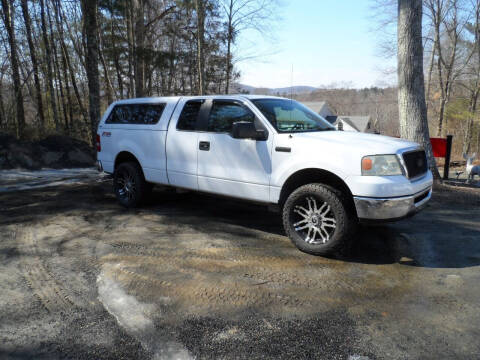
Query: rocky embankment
(55,152)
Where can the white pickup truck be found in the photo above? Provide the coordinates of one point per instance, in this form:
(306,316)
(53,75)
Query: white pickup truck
(264,149)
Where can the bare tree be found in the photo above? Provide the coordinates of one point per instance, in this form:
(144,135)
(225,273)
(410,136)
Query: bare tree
(8,20)
(411,89)
(33,57)
(242,15)
(89,11)
(48,64)
(200,10)
(445,14)
(472,78)
(139,48)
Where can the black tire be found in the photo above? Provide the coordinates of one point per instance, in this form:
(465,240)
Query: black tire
(329,236)
(129,185)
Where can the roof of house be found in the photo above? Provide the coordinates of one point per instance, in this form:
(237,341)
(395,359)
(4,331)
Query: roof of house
(358,122)
(316,106)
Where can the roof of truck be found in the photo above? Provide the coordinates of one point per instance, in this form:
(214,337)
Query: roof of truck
(176,98)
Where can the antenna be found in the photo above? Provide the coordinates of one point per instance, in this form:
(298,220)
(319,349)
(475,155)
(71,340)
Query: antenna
(291,91)
(291,84)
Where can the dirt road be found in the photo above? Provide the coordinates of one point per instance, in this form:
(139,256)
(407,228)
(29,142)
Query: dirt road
(191,276)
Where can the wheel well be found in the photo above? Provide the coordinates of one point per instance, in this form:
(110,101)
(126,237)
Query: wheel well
(125,156)
(308,176)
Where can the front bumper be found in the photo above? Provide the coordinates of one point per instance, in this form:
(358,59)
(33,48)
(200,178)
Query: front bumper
(390,209)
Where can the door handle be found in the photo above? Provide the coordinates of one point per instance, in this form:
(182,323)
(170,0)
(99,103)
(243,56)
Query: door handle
(204,145)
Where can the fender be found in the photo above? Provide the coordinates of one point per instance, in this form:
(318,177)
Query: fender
(287,169)
(153,167)
(130,147)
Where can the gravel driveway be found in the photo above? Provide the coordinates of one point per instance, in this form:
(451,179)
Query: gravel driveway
(192,276)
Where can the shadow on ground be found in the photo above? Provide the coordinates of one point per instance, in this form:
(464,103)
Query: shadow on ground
(430,239)
(442,236)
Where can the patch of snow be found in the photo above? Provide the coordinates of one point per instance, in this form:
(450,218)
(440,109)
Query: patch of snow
(135,318)
(17,180)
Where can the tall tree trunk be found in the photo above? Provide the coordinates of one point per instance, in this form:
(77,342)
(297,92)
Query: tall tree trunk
(411,87)
(116,57)
(475,89)
(200,9)
(78,44)
(182,79)
(139,51)
(3,118)
(56,68)
(171,70)
(446,82)
(118,69)
(108,83)
(192,69)
(89,11)
(71,71)
(33,57)
(228,67)
(430,72)
(63,55)
(9,21)
(472,108)
(48,60)
(131,50)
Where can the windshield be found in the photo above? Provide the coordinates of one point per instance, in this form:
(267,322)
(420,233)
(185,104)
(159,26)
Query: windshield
(290,116)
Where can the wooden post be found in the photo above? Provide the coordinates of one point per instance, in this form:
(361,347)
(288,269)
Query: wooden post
(447,157)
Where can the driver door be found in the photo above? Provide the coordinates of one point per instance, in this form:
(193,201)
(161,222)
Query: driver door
(228,166)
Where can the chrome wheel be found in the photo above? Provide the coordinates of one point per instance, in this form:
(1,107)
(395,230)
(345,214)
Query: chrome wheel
(313,220)
(126,185)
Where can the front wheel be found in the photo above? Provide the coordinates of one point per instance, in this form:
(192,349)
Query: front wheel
(317,219)
(129,184)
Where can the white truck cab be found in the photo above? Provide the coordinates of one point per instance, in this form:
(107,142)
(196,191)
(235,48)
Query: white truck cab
(266,149)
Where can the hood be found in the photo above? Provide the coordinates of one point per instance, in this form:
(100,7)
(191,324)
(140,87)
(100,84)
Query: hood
(362,143)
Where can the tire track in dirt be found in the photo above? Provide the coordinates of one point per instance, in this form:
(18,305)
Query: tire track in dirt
(47,288)
(208,294)
(230,253)
(218,278)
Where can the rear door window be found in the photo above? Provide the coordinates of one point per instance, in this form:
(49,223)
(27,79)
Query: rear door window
(224,113)
(141,114)
(189,115)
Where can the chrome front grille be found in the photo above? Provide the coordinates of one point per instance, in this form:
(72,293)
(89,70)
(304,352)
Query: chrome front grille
(415,162)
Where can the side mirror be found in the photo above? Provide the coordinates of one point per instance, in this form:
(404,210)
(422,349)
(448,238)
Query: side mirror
(247,130)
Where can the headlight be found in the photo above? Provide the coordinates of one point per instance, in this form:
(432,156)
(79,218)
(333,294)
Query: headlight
(381,165)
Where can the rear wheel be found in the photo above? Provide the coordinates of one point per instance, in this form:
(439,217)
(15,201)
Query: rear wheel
(317,219)
(129,184)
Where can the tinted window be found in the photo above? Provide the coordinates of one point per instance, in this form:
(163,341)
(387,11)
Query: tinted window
(146,114)
(224,113)
(189,115)
(291,116)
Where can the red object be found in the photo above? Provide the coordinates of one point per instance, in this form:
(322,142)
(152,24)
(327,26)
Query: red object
(439,146)
(99,146)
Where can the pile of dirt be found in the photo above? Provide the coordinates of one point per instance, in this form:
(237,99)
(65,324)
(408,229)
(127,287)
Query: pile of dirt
(56,152)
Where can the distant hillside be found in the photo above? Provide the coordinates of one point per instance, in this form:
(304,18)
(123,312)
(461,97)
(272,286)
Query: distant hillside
(295,90)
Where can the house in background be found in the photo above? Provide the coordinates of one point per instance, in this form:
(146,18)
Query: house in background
(342,122)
